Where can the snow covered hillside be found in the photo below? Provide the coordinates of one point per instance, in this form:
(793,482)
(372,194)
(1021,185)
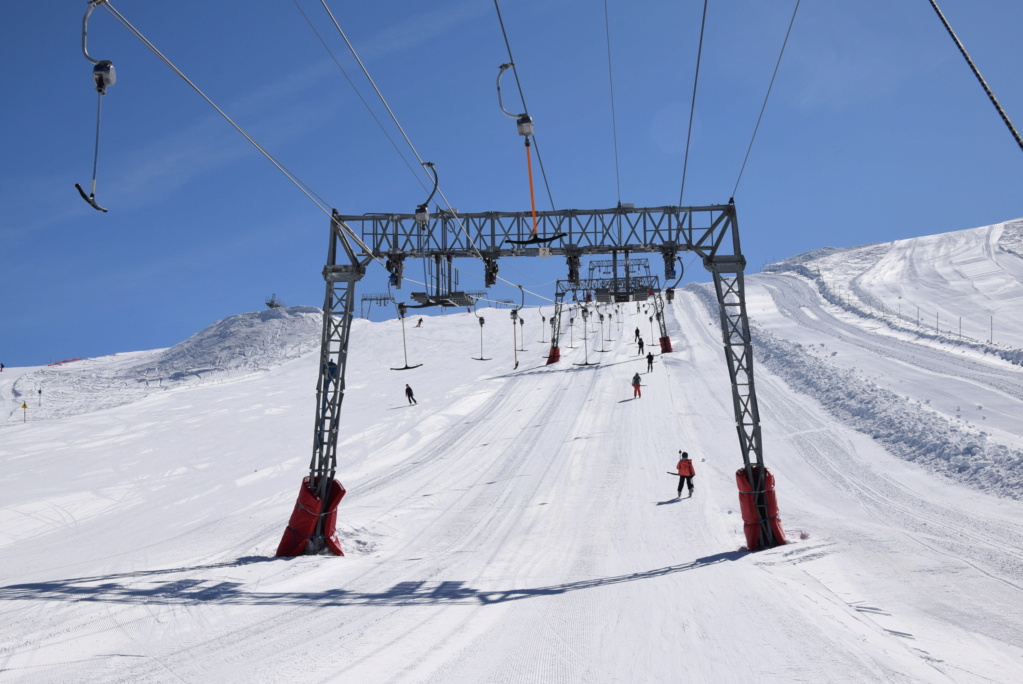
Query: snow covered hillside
(520,525)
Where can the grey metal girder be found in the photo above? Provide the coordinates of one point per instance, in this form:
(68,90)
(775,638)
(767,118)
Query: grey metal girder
(581,231)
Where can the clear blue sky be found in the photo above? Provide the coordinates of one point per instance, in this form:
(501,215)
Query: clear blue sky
(876,130)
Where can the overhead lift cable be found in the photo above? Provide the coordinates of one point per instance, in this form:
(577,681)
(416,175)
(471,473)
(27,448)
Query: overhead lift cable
(428,165)
(306,190)
(611,82)
(764,106)
(316,199)
(358,93)
(394,118)
(692,105)
(320,203)
(369,78)
(976,72)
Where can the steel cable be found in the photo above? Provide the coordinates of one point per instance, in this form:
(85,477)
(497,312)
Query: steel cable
(614,123)
(976,72)
(692,105)
(762,108)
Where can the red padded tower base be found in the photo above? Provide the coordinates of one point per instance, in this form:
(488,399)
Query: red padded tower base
(750,514)
(302,524)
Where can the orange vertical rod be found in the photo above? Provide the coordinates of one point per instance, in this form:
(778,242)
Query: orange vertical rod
(532,197)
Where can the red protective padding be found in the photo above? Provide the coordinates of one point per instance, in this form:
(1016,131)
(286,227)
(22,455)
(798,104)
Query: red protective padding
(303,521)
(555,355)
(748,507)
(665,345)
(337,492)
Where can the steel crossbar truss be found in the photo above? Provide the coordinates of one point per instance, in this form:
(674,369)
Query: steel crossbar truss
(711,232)
(368,300)
(582,231)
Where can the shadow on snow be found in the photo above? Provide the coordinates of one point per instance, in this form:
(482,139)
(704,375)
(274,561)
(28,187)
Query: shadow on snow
(133,588)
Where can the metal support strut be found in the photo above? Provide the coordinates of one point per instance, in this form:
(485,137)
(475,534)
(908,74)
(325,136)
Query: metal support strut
(310,531)
(735,331)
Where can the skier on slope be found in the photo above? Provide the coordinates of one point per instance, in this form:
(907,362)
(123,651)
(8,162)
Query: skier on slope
(409,396)
(637,335)
(686,473)
(650,362)
(636,381)
(641,346)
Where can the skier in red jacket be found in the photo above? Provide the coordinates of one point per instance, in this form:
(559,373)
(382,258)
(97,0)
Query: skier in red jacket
(686,473)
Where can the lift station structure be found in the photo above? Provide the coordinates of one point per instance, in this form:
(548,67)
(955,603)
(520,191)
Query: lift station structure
(711,232)
(612,282)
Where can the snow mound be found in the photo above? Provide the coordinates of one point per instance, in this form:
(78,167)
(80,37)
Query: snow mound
(233,347)
(1011,240)
(242,343)
(905,427)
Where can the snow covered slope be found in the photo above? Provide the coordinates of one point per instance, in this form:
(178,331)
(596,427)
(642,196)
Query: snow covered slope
(236,346)
(519,525)
(837,325)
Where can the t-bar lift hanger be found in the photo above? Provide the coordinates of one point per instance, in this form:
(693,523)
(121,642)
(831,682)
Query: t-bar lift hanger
(103,75)
(525,128)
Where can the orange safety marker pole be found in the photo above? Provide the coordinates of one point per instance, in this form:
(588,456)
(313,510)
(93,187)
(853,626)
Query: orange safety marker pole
(532,197)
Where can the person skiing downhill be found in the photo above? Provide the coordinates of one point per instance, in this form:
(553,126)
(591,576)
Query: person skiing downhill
(650,362)
(636,381)
(686,473)
(409,396)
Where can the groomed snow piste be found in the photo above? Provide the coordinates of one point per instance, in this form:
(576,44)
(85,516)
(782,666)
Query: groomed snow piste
(520,525)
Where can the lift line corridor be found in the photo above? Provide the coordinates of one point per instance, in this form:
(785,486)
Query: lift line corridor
(711,232)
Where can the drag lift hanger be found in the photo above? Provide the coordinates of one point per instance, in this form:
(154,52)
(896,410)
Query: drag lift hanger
(423,210)
(404,347)
(524,124)
(482,321)
(103,75)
